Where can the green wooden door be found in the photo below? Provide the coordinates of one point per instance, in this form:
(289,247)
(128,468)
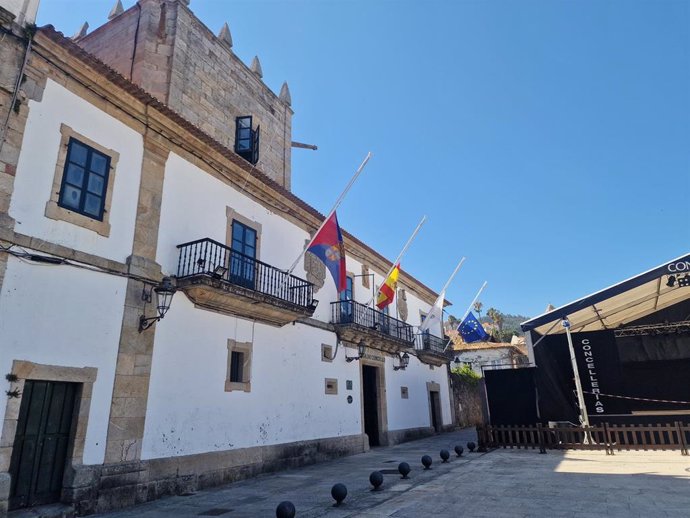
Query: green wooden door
(41,443)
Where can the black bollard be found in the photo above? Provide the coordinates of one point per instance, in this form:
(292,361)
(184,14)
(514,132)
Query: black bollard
(471,446)
(458,450)
(285,510)
(376,479)
(445,455)
(339,492)
(404,469)
(426,461)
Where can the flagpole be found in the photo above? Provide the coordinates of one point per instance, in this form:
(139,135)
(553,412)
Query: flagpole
(469,308)
(402,252)
(452,275)
(443,291)
(335,206)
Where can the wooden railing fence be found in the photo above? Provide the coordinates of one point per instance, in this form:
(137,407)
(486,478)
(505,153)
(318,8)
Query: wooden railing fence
(608,437)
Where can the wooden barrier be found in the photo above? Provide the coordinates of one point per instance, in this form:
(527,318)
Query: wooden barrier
(605,436)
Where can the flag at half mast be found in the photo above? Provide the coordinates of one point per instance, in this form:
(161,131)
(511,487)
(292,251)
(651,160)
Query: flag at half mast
(434,316)
(328,246)
(387,290)
(471,330)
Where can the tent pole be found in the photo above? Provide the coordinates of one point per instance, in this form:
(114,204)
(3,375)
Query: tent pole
(584,418)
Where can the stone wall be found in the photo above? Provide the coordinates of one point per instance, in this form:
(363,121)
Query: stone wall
(13,109)
(114,43)
(468,401)
(181,62)
(210,86)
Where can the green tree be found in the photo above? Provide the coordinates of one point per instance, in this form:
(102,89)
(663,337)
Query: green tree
(478,308)
(466,374)
(497,320)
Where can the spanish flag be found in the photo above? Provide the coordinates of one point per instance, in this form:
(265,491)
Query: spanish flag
(387,289)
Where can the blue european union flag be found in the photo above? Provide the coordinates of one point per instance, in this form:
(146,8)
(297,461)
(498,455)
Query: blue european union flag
(471,329)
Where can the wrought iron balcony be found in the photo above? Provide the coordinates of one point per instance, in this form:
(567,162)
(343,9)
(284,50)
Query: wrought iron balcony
(355,322)
(216,277)
(432,349)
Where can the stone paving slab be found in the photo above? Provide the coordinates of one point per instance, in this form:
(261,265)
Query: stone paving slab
(501,483)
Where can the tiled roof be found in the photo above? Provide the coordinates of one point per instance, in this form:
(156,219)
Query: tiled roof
(459,345)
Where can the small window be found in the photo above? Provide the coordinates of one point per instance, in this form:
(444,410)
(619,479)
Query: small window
(331,386)
(84,180)
(247,139)
(239,366)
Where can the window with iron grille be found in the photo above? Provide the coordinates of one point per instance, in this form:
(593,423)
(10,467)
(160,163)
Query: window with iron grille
(84,180)
(247,139)
(236,367)
(239,371)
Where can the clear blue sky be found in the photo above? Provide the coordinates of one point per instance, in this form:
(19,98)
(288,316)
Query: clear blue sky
(547,141)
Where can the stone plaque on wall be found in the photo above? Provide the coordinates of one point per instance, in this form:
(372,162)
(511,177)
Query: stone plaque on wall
(365,277)
(402,304)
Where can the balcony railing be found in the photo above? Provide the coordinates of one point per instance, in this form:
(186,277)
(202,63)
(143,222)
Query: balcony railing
(213,259)
(431,343)
(350,312)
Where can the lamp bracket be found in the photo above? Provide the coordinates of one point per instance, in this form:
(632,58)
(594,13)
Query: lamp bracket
(145,323)
(147,296)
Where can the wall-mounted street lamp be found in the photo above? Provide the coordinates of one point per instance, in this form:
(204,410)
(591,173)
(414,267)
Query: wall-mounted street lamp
(403,362)
(220,271)
(361,349)
(164,294)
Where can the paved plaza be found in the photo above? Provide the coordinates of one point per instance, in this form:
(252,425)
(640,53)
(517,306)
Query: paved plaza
(501,483)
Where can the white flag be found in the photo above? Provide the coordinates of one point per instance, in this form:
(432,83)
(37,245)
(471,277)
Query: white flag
(434,316)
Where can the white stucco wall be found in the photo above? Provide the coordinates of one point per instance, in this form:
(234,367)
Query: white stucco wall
(190,412)
(60,315)
(36,170)
(287,401)
(414,411)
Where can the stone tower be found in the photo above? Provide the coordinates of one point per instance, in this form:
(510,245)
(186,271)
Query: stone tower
(24,11)
(164,48)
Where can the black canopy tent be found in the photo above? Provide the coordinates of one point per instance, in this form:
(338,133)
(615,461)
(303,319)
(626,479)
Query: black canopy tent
(632,347)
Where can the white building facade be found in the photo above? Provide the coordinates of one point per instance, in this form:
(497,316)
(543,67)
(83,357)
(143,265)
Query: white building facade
(105,191)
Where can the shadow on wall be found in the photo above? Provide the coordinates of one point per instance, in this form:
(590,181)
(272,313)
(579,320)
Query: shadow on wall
(468,398)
